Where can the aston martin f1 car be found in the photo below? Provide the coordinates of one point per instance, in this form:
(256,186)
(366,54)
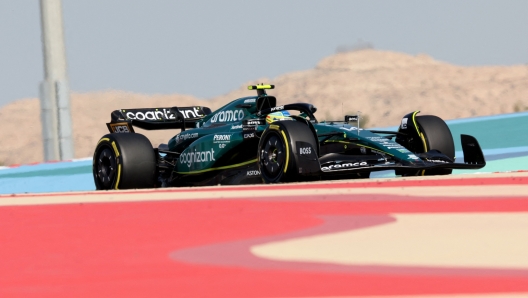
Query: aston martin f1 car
(252,140)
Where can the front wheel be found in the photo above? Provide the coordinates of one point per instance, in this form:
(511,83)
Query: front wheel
(434,135)
(124,161)
(287,150)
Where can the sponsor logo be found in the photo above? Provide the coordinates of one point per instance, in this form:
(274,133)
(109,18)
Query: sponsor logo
(222,138)
(194,113)
(437,161)
(189,158)
(378,139)
(228,116)
(254,122)
(163,114)
(387,143)
(403,150)
(253,173)
(236,126)
(279,108)
(404,123)
(251,100)
(305,150)
(249,135)
(351,128)
(186,136)
(151,115)
(350,118)
(345,165)
(412,156)
(121,129)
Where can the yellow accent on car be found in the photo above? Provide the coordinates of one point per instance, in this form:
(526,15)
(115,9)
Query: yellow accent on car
(118,176)
(103,139)
(118,164)
(220,168)
(273,126)
(287,151)
(414,121)
(422,136)
(257,87)
(115,149)
(117,155)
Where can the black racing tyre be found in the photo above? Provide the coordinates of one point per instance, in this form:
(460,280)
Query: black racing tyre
(436,136)
(124,161)
(277,158)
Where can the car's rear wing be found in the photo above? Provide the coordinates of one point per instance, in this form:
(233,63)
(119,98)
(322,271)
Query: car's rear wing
(123,120)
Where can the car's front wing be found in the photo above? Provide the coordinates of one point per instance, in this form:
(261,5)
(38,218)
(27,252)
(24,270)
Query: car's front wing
(473,159)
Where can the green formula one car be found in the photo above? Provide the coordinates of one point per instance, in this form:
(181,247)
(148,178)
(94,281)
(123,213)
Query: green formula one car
(252,140)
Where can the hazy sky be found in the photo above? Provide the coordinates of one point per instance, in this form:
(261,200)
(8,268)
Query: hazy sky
(207,48)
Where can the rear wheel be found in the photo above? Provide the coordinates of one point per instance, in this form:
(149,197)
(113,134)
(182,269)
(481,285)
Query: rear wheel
(124,161)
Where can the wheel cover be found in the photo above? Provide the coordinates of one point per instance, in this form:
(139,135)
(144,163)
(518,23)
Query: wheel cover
(273,155)
(106,167)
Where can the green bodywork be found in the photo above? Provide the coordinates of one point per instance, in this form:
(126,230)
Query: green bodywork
(365,138)
(223,139)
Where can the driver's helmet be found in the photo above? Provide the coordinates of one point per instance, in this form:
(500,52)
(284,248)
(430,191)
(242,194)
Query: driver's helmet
(278,116)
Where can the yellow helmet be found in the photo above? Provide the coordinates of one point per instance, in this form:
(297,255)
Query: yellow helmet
(278,116)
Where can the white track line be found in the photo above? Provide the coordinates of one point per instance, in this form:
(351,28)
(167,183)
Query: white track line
(241,192)
(132,196)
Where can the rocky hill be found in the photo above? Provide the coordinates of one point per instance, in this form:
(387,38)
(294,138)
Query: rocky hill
(383,85)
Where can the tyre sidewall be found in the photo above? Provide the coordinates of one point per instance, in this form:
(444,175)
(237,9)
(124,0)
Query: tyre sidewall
(291,132)
(282,175)
(135,160)
(437,136)
(104,143)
